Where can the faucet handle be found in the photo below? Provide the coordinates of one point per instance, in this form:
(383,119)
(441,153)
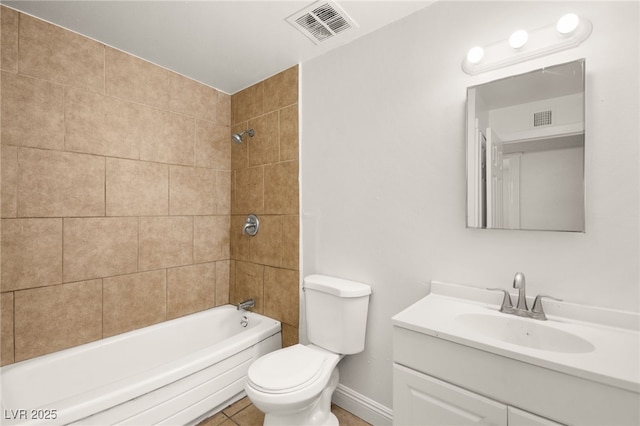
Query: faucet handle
(537,303)
(251,225)
(537,310)
(506,301)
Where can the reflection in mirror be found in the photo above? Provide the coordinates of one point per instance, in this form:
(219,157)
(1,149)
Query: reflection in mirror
(525,151)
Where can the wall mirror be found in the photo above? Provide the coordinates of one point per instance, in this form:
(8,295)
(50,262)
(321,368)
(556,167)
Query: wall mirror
(525,151)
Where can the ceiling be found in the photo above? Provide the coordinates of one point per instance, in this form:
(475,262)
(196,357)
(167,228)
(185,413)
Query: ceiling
(228,45)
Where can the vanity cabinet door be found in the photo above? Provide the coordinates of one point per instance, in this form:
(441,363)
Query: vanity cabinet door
(518,417)
(419,399)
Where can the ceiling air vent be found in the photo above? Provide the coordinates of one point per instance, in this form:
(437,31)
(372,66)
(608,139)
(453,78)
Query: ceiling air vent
(321,21)
(542,118)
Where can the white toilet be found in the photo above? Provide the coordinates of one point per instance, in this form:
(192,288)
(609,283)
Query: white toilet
(293,386)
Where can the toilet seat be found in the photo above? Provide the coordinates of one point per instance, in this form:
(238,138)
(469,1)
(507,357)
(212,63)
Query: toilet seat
(289,370)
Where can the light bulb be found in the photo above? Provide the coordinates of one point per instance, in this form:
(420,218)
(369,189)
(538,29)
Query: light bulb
(568,23)
(475,54)
(518,39)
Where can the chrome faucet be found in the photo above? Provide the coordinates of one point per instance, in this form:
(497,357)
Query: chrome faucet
(519,283)
(249,303)
(521,309)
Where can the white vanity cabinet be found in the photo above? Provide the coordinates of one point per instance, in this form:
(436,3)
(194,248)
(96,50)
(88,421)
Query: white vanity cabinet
(503,370)
(419,399)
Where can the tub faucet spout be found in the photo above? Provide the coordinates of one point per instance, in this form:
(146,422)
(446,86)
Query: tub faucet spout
(249,303)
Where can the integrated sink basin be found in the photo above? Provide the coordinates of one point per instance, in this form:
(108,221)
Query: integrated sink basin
(598,344)
(524,332)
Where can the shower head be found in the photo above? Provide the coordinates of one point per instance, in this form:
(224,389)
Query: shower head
(237,137)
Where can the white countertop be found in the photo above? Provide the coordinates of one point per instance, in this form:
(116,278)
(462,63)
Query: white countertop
(615,359)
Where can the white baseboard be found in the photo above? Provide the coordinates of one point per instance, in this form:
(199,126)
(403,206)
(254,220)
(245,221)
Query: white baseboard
(363,407)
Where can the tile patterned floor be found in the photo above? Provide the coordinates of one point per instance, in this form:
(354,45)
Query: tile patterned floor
(244,413)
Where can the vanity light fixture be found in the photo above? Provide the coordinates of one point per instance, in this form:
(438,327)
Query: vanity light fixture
(569,31)
(518,39)
(475,54)
(568,23)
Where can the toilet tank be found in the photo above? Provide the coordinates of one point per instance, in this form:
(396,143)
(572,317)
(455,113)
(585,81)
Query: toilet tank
(336,312)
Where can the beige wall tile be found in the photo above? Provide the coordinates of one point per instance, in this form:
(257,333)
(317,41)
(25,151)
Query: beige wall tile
(263,146)
(223,110)
(32,112)
(266,245)
(240,243)
(265,182)
(282,295)
(222,282)
(50,319)
(248,193)
(31,253)
(52,183)
(99,247)
(9,37)
(137,188)
(191,98)
(168,137)
(6,324)
(223,192)
(192,191)
(165,242)
(77,61)
(108,126)
(97,124)
(249,284)
(290,335)
(240,152)
(281,90)
(281,188)
(211,239)
(291,242)
(213,145)
(134,301)
(190,289)
(131,78)
(9,158)
(232,281)
(247,103)
(289,133)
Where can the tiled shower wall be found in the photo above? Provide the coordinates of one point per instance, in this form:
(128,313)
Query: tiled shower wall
(265,182)
(116,191)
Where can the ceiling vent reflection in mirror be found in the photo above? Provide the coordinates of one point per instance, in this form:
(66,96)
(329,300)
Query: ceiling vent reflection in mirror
(321,21)
(542,118)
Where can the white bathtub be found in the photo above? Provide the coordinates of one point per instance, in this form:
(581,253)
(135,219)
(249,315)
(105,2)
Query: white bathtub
(175,372)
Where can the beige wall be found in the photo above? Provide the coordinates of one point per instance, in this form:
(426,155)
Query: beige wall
(265,182)
(116,183)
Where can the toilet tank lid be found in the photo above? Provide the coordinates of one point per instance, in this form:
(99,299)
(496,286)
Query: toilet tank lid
(336,286)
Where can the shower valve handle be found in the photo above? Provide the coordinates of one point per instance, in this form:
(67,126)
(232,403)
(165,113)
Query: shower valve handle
(251,225)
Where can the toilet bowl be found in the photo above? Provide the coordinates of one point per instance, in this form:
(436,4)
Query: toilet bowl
(293,386)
